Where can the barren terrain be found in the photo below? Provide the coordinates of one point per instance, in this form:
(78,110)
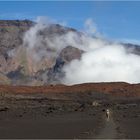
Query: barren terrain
(78,111)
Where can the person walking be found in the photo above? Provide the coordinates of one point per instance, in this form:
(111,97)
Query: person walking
(108,113)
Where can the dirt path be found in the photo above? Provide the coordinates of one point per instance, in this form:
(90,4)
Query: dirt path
(109,131)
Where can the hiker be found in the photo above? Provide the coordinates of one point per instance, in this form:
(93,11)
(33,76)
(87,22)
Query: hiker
(107,113)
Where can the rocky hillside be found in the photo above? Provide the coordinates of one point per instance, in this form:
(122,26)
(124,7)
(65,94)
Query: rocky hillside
(19,64)
(17,68)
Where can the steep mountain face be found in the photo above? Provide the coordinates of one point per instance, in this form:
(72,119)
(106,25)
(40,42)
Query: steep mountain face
(23,64)
(11,33)
(16,64)
(66,56)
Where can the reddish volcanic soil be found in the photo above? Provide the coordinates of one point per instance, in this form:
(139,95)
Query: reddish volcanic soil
(115,89)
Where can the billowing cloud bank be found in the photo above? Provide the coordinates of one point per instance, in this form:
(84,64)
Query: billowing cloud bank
(107,63)
(102,61)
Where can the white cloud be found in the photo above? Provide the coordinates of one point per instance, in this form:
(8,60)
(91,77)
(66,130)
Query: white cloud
(105,63)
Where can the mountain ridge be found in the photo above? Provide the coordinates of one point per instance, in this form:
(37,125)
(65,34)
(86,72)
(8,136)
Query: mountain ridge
(14,67)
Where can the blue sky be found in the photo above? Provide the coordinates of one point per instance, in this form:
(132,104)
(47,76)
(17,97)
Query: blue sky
(116,20)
